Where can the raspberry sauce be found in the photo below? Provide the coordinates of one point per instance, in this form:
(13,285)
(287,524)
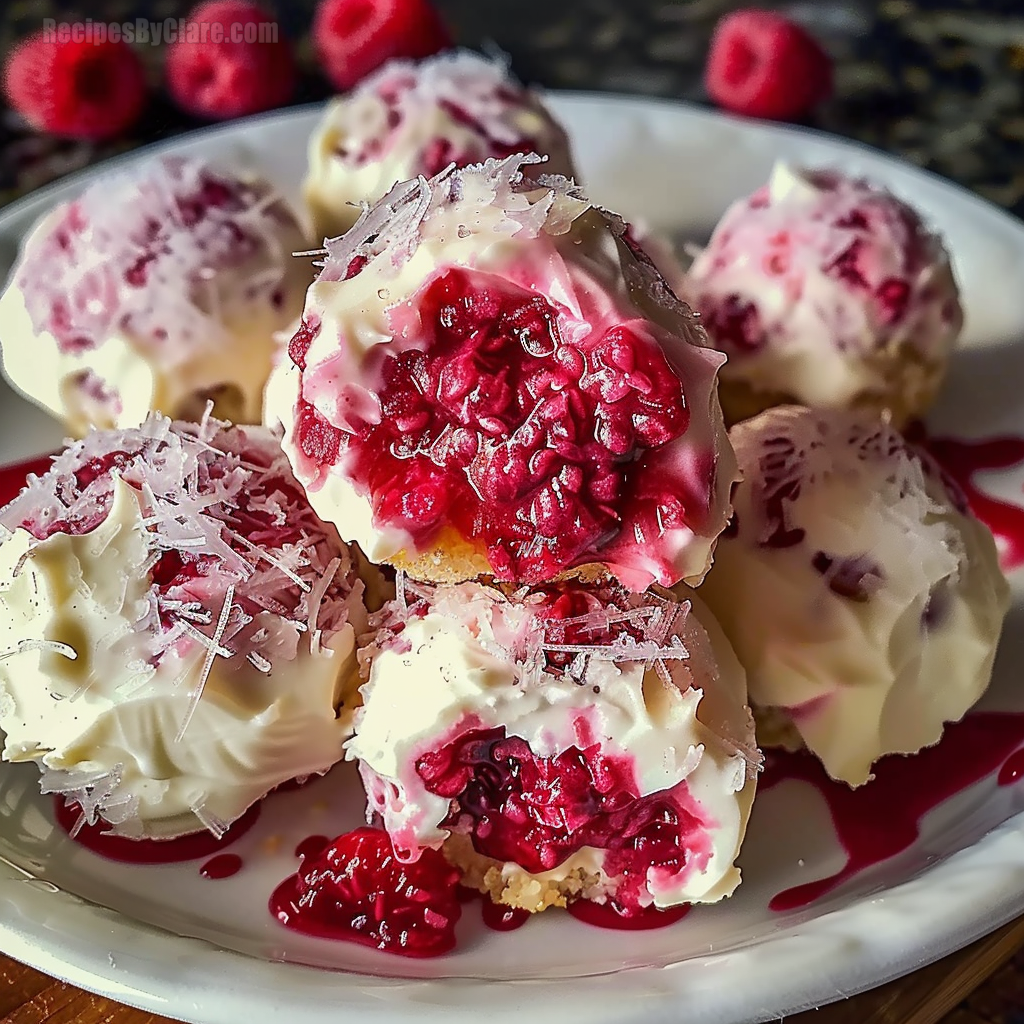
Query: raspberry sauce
(224,865)
(355,890)
(149,851)
(883,818)
(611,915)
(503,919)
(513,423)
(537,812)
(962,460)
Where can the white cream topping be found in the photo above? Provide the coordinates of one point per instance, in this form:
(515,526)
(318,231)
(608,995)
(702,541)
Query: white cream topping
(880,623)
(453,107)
(452,674)
(218,310)
(821,339)
(80,695)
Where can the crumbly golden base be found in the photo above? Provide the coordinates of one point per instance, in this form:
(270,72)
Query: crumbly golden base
(510,885)
(452,560)
(913,387)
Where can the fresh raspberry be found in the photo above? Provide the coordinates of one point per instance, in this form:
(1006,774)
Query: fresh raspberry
(83,90)
(354,37)
(214,73)
(762,65)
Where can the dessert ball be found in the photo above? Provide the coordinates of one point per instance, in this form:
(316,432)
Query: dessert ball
(491,378)
(863,599)
(569,741)
(415,118)
(178,628)
(827,291)
(158,289)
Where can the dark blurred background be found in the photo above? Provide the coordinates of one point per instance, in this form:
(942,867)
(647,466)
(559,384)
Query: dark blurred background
(938,82)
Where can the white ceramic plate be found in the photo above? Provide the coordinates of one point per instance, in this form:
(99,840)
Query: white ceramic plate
(165,939)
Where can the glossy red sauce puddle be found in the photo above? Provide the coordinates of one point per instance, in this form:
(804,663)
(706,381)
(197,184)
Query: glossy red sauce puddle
(502,919)
(883,818)
(224,865)
(353,889)
(961,460)
(149,851)
(495,916)
(312,846)
(604,915)
(1013,770)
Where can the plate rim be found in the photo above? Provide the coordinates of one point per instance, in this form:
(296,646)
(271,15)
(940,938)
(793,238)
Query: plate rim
(584,998)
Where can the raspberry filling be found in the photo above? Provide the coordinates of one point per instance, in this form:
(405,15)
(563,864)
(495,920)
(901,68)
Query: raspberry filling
(529,433)
(537,812)
(356,890)
(88,277)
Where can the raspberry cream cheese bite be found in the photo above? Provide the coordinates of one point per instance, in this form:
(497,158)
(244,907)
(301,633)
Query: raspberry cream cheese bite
(492,378)
(563,742)
(158,289)
(415,118)
(178,628)
(825,290)
(863,599)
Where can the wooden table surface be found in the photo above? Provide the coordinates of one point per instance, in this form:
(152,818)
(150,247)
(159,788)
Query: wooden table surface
(931,995)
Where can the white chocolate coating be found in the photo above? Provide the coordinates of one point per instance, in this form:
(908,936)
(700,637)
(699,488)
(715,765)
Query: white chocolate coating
(549,241)
(412,118)
(864,602)
(470,662)
(829,291)
(154,290)
(165,708)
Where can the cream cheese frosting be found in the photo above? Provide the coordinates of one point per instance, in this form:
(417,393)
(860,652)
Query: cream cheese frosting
(414,118)
(177,631)
(663,697)
(828,291)
(547,248)
(863,599)
(157,289)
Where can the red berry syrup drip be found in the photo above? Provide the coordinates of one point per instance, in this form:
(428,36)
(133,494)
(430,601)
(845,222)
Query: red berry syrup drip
(883,818)
(224,865)
(503,919)
(356,891)
(537,812)
(611,915)
(961,460)
(312,846)
(149,851)
(533,447)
